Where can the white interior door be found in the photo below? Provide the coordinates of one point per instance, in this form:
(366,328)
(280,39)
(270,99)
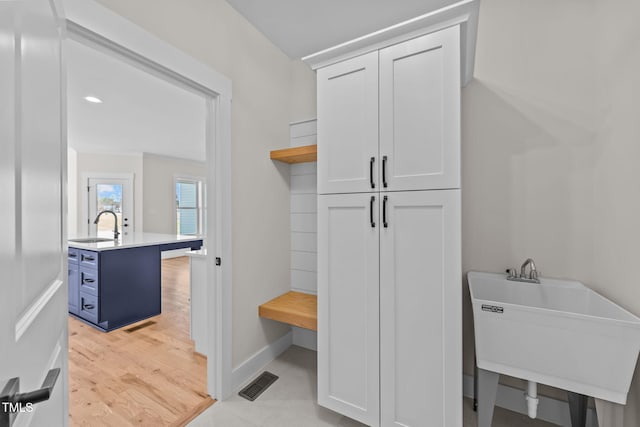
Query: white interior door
(348,305)
(33,294)
(114,194)
(420,309)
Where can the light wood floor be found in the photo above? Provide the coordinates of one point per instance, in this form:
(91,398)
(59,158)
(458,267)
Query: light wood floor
(145,374)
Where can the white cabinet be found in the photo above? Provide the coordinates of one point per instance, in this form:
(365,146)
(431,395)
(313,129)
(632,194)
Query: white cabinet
(420,309)
(348,305)
(389,307)
(348,126)
(389,273)
(198,298)
(420,113)
(389,120)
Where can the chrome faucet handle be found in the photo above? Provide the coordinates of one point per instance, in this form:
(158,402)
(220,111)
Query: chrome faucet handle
(523,268)
(533,274)
(511,272)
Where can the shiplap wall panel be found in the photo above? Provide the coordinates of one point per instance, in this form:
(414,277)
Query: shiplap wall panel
(304,209)
(304,222)
(302,184)
(304,203)
(304,242)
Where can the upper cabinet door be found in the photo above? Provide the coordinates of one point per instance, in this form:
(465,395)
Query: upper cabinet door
(420,113)
(348,126)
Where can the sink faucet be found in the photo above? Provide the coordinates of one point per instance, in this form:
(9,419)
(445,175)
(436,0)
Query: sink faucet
(533,273)
(116,233)
(531,278)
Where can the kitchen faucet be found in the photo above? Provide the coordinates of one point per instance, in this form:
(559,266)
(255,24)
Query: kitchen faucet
(115,227)
(531,278)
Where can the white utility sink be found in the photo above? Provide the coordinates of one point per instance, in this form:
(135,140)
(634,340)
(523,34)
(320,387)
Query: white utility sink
(558,332)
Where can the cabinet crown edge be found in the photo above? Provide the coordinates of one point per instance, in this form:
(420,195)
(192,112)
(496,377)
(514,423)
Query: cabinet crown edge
(463,14)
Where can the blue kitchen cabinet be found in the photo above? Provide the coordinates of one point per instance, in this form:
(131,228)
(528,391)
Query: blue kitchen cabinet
(119,286)
(74,281)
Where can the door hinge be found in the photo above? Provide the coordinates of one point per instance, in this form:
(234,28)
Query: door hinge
(218,260)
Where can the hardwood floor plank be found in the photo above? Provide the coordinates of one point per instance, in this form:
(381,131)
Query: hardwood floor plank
(144,374)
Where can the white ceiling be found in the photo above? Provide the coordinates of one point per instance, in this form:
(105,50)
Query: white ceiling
(303,27)
(140,112)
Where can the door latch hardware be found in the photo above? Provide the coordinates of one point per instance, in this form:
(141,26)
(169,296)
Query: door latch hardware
(12,403)
(218,260)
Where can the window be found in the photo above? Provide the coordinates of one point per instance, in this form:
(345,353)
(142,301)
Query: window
(189,207)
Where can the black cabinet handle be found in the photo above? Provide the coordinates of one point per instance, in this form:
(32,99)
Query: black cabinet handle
(373,199)
(88,307)
(373,184)
(88,280)
(73,255)
(384,212)
(88,258)
(384,171)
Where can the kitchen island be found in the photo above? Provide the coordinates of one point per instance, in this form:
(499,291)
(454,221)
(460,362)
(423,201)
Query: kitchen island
(114,283)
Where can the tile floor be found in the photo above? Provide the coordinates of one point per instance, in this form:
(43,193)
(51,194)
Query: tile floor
(292,402)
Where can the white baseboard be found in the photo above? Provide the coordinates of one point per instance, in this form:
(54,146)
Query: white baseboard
(305,338)
(251,367)
(549,409)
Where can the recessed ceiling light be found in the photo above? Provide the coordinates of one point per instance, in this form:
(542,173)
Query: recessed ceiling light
(93,99)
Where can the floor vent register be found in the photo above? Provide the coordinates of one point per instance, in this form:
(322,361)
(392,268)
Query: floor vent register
(257,386)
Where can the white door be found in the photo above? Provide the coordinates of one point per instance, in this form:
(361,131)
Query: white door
(348,126)
(420,113)
(114,194)
(33,293)
(420,309)
(348,298)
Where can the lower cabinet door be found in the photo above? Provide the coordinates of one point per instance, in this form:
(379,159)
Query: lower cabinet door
(420,309)
(74,291)
(348,305)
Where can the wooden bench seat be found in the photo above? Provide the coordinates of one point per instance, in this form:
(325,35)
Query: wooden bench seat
(295,308)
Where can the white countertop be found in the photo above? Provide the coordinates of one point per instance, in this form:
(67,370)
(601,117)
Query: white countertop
(132,240)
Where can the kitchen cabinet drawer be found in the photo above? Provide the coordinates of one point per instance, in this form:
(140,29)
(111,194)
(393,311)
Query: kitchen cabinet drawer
(74,292)
(89,281)
(88,307)
(88,259)
(73,255)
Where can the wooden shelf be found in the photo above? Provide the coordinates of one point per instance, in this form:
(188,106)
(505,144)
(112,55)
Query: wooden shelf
(307,153)
(295,308)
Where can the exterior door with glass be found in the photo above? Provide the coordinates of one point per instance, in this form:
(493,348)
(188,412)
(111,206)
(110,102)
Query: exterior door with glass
(113,194)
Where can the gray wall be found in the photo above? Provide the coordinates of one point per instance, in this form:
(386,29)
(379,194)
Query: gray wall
(549,156)
(550,148)
(159,193)
(264,103)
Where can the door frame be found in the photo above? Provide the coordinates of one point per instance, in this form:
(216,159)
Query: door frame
(84,196)
(97,27)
